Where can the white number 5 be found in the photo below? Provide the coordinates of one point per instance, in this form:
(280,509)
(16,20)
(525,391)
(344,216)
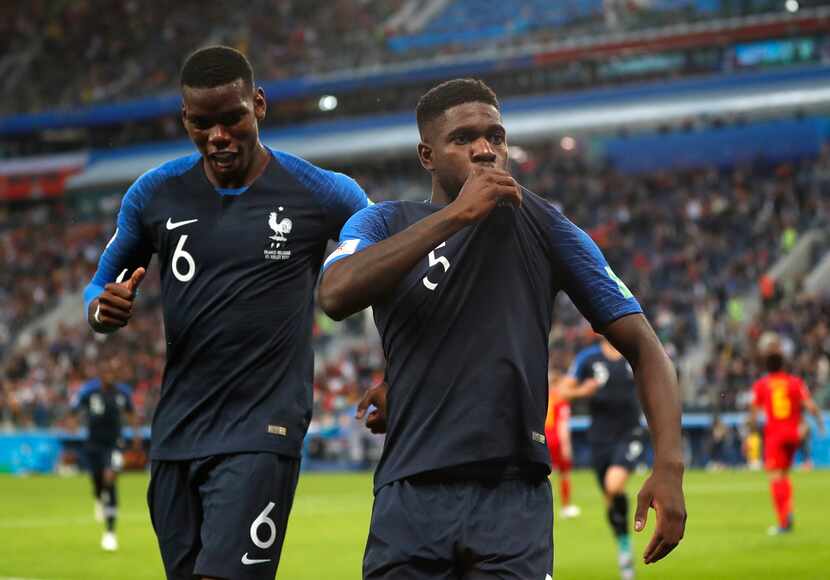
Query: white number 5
(180,254)
(433,261)
(272,528)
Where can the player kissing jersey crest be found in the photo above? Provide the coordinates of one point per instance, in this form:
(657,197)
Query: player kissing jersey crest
(275,249)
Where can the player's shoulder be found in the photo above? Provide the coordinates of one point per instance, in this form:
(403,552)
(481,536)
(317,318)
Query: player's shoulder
(153,179)
(327,184)
(590,352)
(586,356)
(124,389)
(565,236)
(89,387)
(540,207)
(760,383)
(389,211)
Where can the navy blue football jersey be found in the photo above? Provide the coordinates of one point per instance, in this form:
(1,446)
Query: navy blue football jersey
(614,408)
(466,331)
(103,409)
(238,270)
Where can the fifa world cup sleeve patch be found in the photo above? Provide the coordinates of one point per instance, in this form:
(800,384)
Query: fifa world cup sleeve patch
(346,248)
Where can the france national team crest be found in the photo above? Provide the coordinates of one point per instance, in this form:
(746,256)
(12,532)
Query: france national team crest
(276,243)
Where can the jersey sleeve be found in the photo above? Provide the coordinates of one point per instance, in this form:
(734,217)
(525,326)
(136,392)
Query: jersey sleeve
(366,227)
(340,195)
(80,400)
(585,275)
(129,247)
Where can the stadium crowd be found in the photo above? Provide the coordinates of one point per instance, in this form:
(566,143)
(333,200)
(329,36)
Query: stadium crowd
(688,243)
(85,52)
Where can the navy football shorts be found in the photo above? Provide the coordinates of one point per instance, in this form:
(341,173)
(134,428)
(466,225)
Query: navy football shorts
(627,453)
(223,516)
(463,529)
(100,458)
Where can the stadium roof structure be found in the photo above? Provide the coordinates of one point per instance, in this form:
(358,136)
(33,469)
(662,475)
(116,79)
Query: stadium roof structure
(528,119)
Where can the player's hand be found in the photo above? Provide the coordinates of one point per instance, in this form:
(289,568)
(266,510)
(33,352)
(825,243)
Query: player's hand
(115,305)
(376,419)
(485,188)
(663,491)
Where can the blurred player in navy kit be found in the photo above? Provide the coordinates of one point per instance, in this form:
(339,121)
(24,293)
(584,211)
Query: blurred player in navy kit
(240,231)
(102,402)
(616,437)
(462,290)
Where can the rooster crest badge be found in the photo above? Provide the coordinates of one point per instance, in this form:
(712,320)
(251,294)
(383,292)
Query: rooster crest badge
(281,228)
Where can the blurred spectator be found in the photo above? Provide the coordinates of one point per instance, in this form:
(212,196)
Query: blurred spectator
(58,54)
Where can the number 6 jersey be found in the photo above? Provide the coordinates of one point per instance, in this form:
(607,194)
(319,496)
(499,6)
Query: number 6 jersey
(465,333)
(238,270)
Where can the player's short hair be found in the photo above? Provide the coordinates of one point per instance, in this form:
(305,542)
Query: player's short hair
(449,94)
(214,66)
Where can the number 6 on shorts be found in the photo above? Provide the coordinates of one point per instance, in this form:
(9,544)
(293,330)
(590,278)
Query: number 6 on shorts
(263,519)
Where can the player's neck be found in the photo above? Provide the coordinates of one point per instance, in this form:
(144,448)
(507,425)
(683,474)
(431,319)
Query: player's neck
(439,196)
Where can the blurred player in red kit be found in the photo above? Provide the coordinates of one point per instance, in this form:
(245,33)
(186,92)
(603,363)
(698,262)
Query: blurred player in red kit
(782,397)
(558,437)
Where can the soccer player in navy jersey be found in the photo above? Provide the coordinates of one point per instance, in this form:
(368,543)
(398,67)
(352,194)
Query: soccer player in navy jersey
(462,290)
(102,402)
(617,440)
(240,231)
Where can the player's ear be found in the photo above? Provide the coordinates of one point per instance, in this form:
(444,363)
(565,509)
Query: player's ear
(260,104)
(425,156)
(184,117)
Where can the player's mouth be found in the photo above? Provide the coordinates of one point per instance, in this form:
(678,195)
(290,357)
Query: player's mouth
(223,160)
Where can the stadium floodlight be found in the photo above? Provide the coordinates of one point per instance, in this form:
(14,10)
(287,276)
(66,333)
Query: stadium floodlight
(327,103)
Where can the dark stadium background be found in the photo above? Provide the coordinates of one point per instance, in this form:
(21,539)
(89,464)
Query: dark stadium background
(691,138)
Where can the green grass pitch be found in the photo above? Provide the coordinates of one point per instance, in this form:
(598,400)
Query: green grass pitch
(47,531)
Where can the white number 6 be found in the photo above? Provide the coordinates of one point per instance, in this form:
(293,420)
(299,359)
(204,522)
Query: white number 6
(272,527)
(433,261)
(180,254)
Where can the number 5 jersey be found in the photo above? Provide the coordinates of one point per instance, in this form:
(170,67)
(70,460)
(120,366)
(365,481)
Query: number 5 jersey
(465,333)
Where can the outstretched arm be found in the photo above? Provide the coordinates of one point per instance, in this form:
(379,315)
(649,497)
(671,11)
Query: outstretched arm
(108,298)
(569,388)
(358,281)
(659,395)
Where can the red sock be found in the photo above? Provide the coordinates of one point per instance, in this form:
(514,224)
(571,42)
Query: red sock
(782,490)
(787,500)
(565,490)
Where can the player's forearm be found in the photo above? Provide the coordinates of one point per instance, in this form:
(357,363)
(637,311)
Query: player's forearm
(360,280)
(657,386)
(659,395)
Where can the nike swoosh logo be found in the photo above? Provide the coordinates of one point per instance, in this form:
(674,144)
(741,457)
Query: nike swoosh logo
(247,561)
(171,225)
